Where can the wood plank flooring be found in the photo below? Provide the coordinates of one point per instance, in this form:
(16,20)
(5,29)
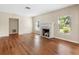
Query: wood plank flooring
(32,44)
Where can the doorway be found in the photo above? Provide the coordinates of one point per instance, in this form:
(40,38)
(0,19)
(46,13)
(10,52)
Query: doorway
(13,26)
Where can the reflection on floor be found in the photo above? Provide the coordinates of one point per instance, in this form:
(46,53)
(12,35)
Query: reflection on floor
(32,44)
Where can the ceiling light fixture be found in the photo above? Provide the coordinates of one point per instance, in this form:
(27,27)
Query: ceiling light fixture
(27,7)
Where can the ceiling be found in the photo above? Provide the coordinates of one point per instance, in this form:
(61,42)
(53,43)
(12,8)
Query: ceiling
(36,9)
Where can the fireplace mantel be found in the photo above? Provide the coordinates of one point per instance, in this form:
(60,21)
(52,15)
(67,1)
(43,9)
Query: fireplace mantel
(47,30)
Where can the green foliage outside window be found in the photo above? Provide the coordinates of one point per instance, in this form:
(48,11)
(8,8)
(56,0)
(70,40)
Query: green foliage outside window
(64,24)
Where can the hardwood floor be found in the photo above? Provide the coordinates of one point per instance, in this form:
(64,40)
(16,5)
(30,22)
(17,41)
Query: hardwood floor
(35,45)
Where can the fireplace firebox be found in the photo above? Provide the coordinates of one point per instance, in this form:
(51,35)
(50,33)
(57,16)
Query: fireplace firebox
(45,32)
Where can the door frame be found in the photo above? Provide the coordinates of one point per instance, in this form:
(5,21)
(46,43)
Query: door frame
(17,24)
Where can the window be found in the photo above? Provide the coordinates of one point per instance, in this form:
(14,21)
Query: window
(64,24)
(37,25)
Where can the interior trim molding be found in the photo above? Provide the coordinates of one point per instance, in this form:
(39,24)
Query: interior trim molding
(67,40)
(1,36)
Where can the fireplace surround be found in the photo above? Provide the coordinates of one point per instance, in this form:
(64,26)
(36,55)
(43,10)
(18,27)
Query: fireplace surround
(47,30)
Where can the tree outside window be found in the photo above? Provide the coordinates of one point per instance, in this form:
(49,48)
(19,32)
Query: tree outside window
(64,24)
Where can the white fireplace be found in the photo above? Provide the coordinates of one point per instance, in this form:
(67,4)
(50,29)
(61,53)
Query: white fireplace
(47,30)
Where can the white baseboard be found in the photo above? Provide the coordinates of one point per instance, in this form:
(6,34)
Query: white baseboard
(4,35)
(67,40)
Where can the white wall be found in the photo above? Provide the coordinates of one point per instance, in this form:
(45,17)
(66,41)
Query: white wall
(73,12)
(4,23)
(25,24)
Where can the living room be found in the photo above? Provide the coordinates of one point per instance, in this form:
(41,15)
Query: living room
(39,29)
